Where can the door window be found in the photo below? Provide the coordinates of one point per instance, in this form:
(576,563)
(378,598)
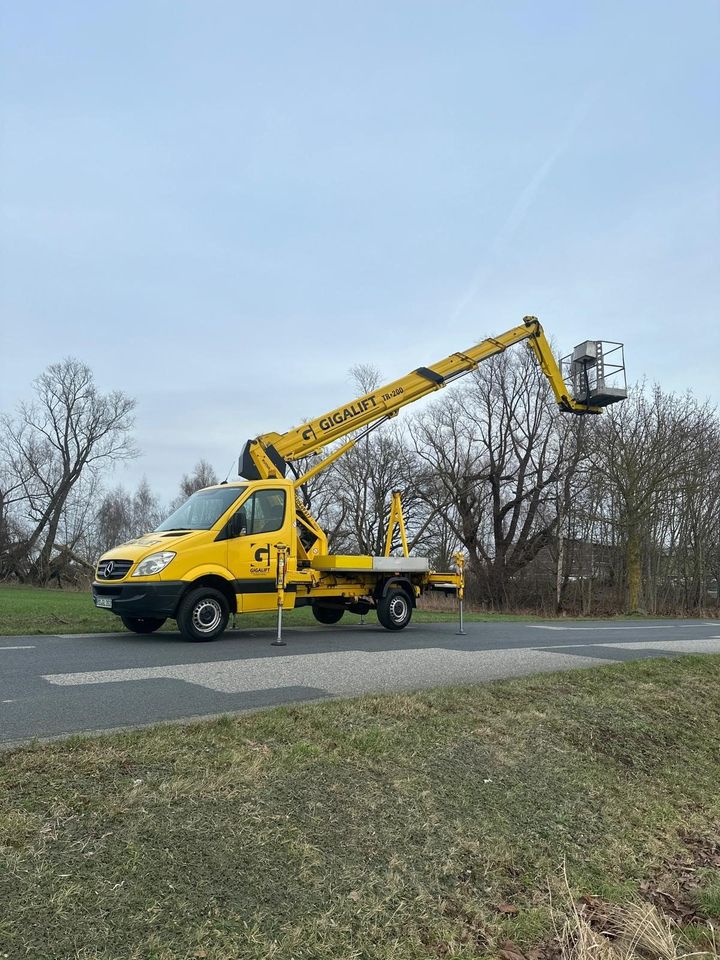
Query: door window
(262,512)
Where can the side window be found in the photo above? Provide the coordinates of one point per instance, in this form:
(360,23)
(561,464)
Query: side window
(263,512)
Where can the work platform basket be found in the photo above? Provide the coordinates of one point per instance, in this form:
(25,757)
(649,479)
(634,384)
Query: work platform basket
(595,372)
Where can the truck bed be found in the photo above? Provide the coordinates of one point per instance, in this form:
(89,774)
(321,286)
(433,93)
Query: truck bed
(340,563)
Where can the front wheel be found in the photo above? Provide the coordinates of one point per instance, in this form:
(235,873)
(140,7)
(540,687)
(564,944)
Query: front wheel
(394,610)
(202,614)
(142,624)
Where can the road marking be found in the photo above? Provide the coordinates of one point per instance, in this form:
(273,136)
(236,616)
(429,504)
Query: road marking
(17,648)
(356,671)
(663,626)
(352,671)
(701,645)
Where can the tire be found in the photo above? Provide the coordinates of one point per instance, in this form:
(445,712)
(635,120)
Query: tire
(202,615)
(143,624)
(327,615)
(394,610)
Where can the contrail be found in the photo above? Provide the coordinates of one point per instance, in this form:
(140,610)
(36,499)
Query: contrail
(520,208)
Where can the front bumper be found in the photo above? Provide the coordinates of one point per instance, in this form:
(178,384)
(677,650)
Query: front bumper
(158,599)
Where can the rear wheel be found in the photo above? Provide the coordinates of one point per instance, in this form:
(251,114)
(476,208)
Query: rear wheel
(143,624)
(202,614)
(327,615)
(394,610)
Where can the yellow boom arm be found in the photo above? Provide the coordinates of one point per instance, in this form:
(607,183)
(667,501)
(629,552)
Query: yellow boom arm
(267,456)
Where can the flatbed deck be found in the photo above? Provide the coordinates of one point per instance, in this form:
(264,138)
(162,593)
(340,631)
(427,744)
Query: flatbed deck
(340,563)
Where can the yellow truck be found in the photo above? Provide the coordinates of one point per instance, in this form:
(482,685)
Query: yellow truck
(252,545)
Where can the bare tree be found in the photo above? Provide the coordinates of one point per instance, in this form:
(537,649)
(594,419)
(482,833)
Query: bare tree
(11,494)
(499,452)
(318,496)
(121,516)
(679,529)
(113,521)
(70,430)
(362,482)
(203,475)
(451,471)
(354,494)
(642,450)
(147,511)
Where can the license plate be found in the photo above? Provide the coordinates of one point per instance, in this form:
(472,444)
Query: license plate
(103,602)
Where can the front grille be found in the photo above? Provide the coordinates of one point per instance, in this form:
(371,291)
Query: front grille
(113,569)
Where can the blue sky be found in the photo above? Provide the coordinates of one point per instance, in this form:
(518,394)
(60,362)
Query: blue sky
(222,206)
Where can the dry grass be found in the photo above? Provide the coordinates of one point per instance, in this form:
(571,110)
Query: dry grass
(631,931)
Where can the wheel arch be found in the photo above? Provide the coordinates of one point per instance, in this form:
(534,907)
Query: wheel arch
(215,581)
(391,583)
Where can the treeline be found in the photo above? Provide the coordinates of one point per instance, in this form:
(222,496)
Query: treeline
(618,512)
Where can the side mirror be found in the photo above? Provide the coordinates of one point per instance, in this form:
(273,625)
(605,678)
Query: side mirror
(237,524)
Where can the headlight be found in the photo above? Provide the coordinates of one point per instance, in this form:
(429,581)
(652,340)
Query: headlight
(153,564)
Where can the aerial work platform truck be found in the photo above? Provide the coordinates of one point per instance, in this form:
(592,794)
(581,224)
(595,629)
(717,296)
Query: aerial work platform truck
(252,545)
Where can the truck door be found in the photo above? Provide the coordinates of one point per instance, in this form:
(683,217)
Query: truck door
(252,555)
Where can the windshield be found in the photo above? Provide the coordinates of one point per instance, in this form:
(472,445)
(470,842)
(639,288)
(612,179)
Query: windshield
(202,510)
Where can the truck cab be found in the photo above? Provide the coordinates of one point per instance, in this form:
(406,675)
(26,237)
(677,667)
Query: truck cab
(223,541)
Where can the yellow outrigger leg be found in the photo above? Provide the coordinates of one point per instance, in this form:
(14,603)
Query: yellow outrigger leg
(283,552)
(396,520)
(459,559)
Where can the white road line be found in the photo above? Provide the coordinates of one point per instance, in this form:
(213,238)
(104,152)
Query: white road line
(17,648)
(356,671)
(353,671)
(663,626)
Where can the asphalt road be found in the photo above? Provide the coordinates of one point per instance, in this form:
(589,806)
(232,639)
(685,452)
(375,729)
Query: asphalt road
(51,686)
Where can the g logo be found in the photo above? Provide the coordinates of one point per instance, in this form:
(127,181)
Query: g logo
(262,555)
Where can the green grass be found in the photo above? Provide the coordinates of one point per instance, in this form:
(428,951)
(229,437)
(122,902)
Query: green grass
(709,895)
(382,828)
(32,610)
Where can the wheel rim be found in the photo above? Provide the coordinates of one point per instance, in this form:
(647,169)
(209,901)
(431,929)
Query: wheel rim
(206,615)
(398,609)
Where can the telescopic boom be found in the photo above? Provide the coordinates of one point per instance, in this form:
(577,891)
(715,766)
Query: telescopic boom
(267,456)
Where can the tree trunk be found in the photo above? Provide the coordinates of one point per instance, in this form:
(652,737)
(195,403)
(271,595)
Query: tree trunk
(559,570)
(496,582)
(634,569)
(559,574)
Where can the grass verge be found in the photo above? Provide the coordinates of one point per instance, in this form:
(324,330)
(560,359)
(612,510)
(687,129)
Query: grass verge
(34,610)
(429,825)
